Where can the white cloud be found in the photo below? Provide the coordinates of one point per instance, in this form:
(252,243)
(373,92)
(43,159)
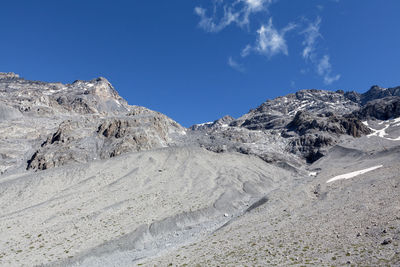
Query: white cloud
(269,41)
(311,34)
(304,71)
(246,51)
(323,65)
(330,79)
(237,11)
(235,65)
(324,69)
(255,4)
(208,23)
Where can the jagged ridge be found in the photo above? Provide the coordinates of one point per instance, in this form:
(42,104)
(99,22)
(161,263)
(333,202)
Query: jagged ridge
(52,124)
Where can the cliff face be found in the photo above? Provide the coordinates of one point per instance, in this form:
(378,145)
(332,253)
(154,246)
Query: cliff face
(300,126)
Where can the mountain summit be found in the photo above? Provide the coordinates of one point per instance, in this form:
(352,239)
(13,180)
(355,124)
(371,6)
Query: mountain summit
(51,124)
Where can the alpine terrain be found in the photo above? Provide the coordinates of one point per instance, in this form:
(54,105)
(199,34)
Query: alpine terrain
(86,179)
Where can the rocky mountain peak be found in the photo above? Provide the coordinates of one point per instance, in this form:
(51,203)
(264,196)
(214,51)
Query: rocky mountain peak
(375,92)
(222,122)
(8,75)
(100,87)
(227,119)
(307,122)
(276,113)
(52,124)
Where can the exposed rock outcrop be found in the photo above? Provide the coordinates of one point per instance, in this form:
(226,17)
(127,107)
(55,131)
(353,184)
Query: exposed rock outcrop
(277,113)
(304,122)
(8,75)
(376,92)
(222,122)
(316,132)
(52,124)
(100,138)
(381,109)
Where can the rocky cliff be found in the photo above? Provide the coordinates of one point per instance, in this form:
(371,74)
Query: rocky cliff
(302,125)
(45,125)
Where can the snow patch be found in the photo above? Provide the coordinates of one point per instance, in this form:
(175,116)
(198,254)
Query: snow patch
(353,174)
(118,103)
(301,107)
(205,123)
(396,122)
(382,132)
(49,92)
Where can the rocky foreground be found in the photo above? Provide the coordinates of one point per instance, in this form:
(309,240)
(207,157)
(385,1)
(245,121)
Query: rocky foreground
(89,180)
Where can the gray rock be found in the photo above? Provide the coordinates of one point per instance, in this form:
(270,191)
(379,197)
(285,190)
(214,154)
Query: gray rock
(101,138)
(8,75)
(376,92)
(222,122)
(381,109)
(276,113)
(52,124)
(305,122)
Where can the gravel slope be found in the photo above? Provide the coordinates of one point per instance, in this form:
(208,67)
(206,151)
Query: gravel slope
(354,222)
(144,202)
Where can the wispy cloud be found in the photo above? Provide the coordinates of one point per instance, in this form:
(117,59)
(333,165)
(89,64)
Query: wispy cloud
(246,51)
(322,63)
(324,69)
(209,24)
(311,34)
(269,41)
(233,12)
(235,65)
(253,6)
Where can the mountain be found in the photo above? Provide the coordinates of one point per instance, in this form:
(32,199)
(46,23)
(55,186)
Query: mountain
(50,124)
(305,124)
(89,180)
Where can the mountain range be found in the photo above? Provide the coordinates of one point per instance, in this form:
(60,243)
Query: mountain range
(89,180)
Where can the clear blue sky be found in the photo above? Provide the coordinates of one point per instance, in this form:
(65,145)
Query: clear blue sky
(199,60)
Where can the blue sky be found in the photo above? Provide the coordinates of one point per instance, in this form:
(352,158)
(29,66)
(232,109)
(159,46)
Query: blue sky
(199,60)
